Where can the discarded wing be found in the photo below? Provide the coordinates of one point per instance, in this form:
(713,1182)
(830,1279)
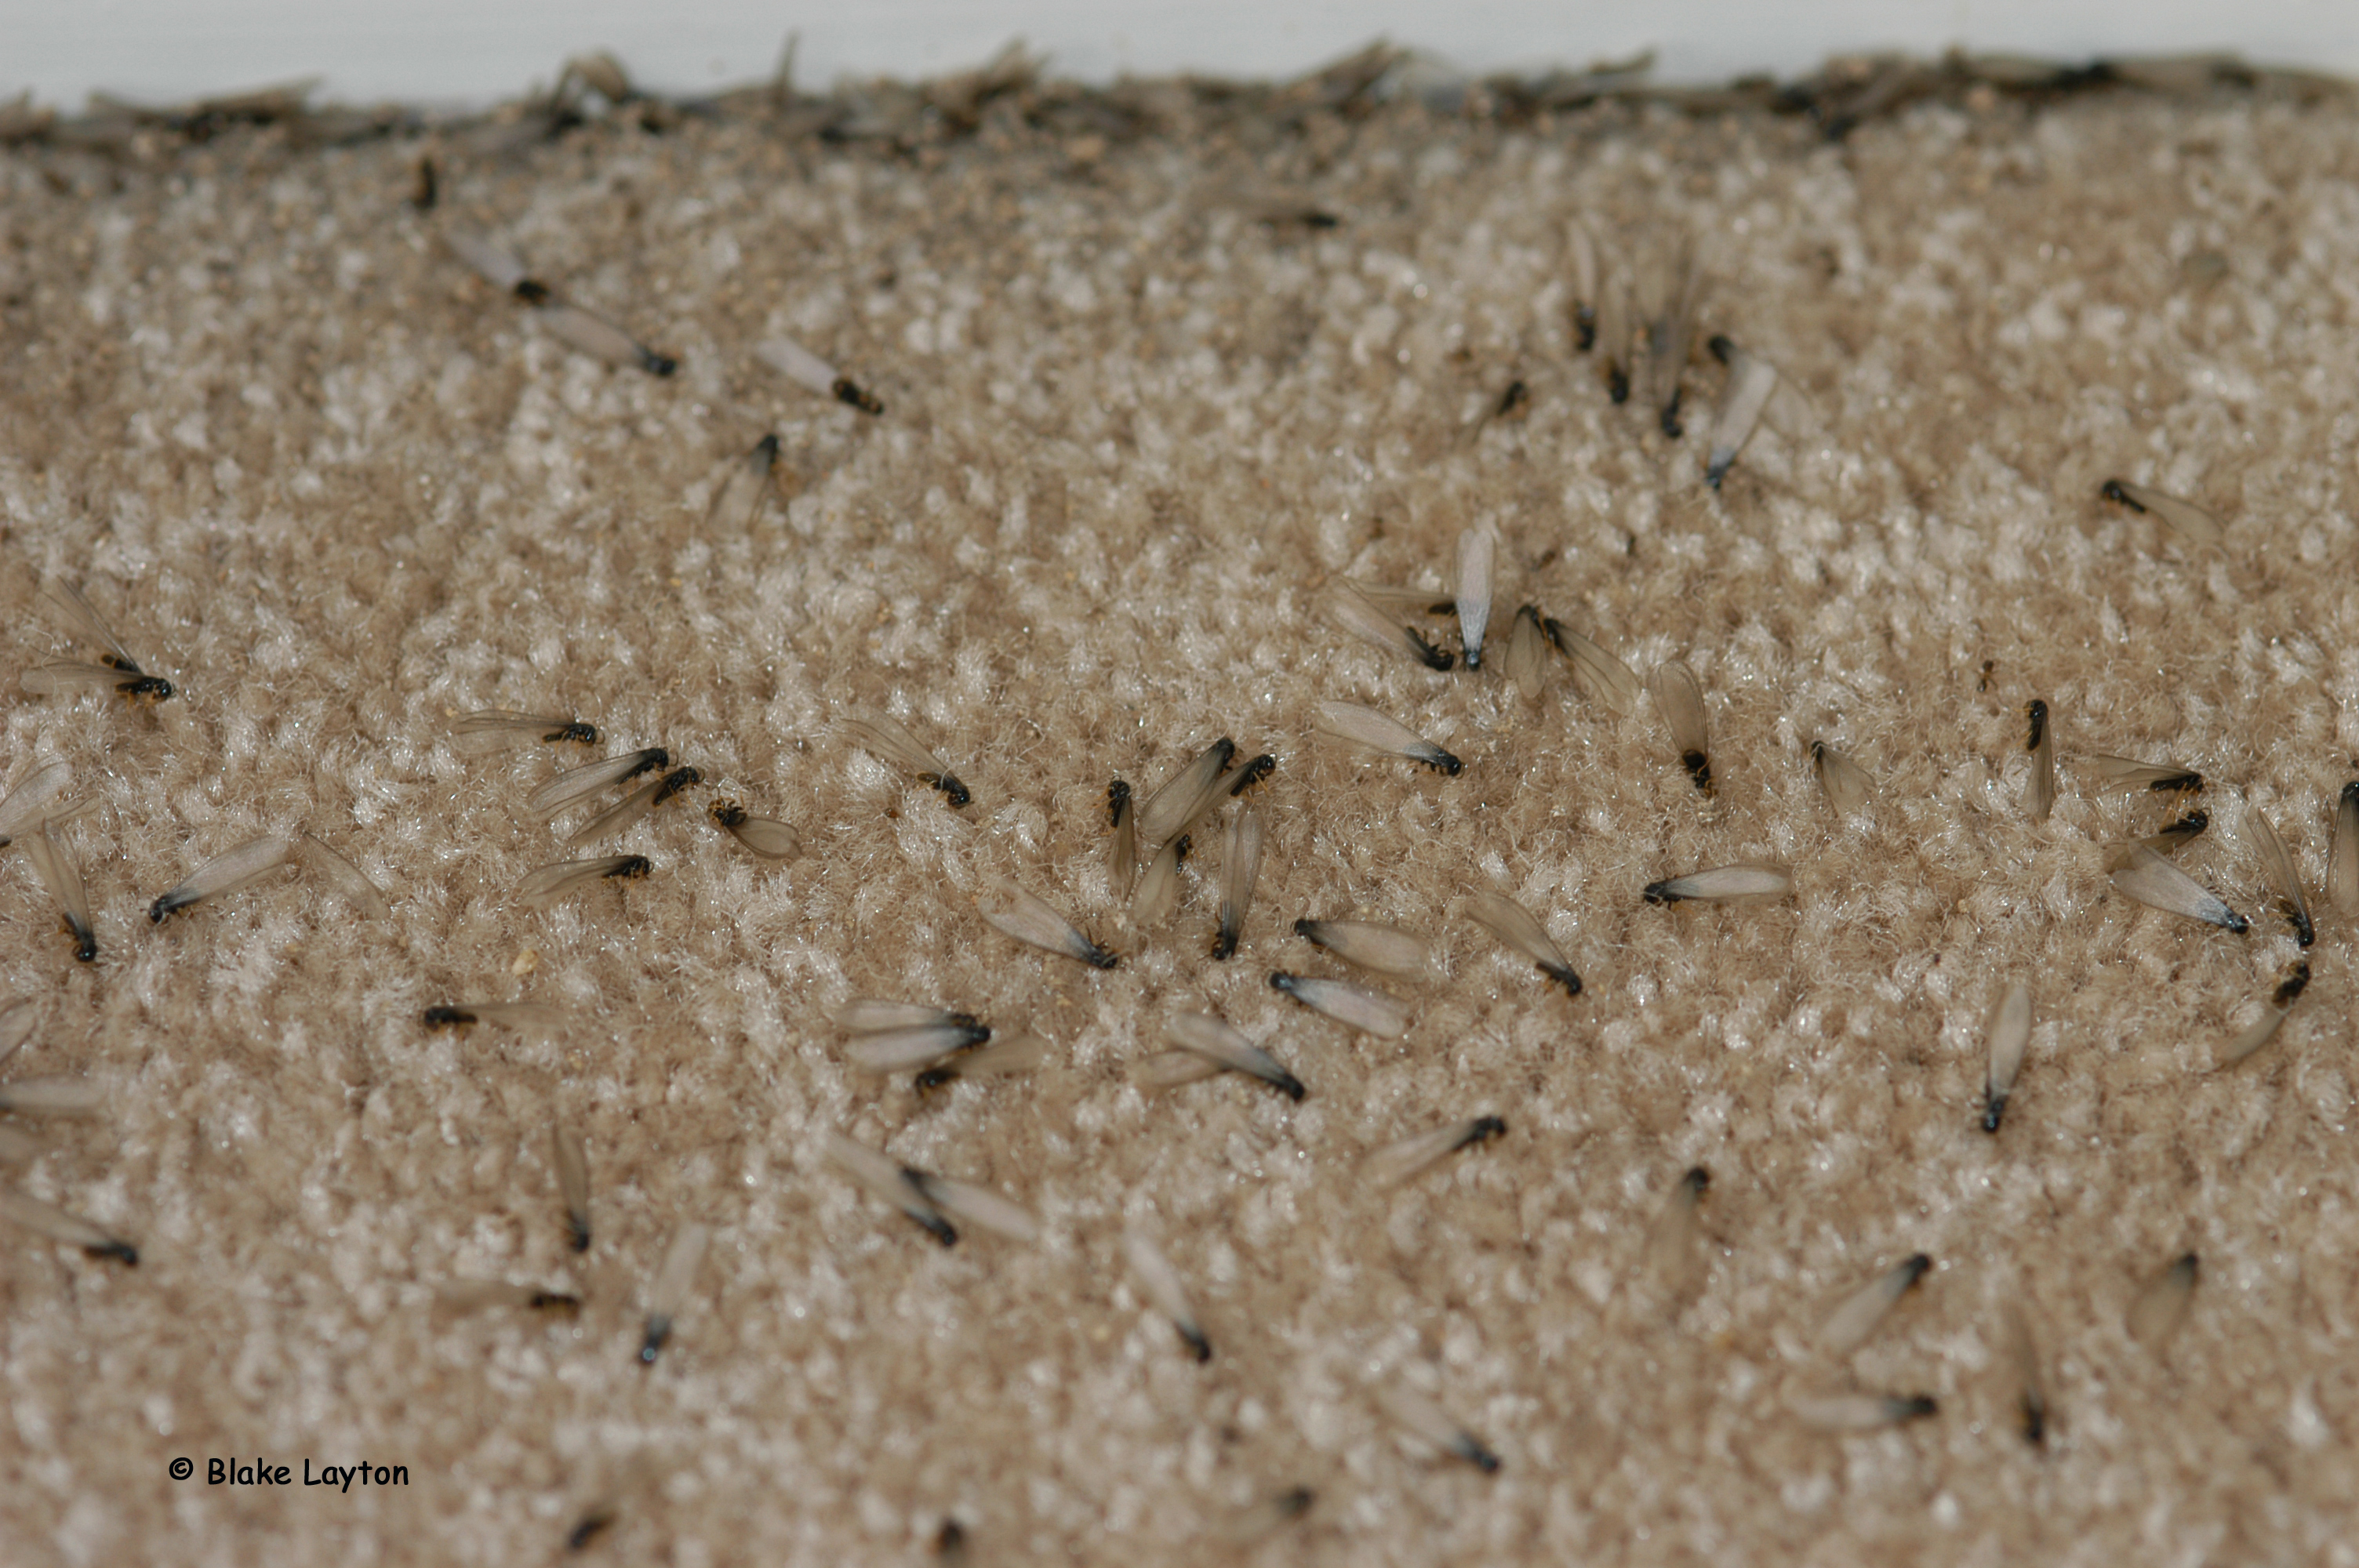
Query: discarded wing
(22,807)
(550,883)
(226,873)
(1607,678)
(1723,884)
(1526,655)
(1678,697)
(668,1294)
(1356,615)
(1029,920)
(1751,380)
(1386,949)
(579,784)
(1670,1259)
(763,835)
(52,1096)
(813,373)
(2147,878)
(54,863)
(740,496)
(1159,890)
(501,729)
(2039,797)
(1366,727)
(1860,1313)
(1477,553)
(2282,875)
(1517,926)
(1404,600)
(347,879)
(1429,1421)
(2010,1032)
(1354,1007)
(890,740)
(2185,518)
(1160,1282)
(1398,1162)
(1848,788)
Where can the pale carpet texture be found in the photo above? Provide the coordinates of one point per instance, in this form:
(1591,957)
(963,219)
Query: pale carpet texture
(337,488)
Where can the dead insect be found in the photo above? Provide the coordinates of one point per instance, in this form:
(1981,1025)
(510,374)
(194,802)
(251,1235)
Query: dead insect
(1354,1007)
(1477,553)
(525,1017)
(1607,678)
(550,883)
(2010,1034)
(570,323)
(771,839)
(116,670)
(2140,874)
(1751,380)
(668,1294)
(579,783)
(1851,1324)
(1209,1047)
(1355,614)
(226,873)
(1035,923)
(1386,949)
(1723,884)
(1429,1421)
(1161,1281)
(1240,867)
(2185,518)
(1365,727)
(1397,1162)
(500,728)
(1678,697)
(2040,799)
(1517,926)
(740,495)
(887,738)
(813,373)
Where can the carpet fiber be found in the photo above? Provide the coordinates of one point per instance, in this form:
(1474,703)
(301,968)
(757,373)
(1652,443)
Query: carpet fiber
(1157,372)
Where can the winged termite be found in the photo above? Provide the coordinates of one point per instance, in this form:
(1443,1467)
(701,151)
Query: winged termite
(1121,851)
(1617,335)
(1678,697)
(2142,875)
(593,334)
(1240,867)
(116,670)
(916,1044)
(1670,1256)
(637,804)
(1398,1162)
(763,835)
(2009,1032)
(1032,920)
(1723,884)
(1187,795)
(1386,949)
(456,1297)
(49,1220)
(1160,1282)
(1268,1516)
(524,1017)
(550,883)
(1859,1313)
(1356,615)
(579,783)
(1859,1411)
(1417,1414)
(55,864)
(1846,785)
(1245,777)
(2118,775)
(1517,926)
(22,809)
(2039,791)
(668,1293)
(2020,1358)
(1607,678)
(349,881)
(1208,1047)
(2282,875)
(740,495)
(502,729)
(1007,1055)
(1404,601)
(1477,555)
(889,739)
(2186,519)
(1751,380)
(978,1206)
(2273,1016)
(1354,1007)
(1670,336)
(572,1159)
(2179,834)
(54,1097)
(226,873)
(813,373)
(1365,727)
(2342,864)
(1159,890)
(1583,250)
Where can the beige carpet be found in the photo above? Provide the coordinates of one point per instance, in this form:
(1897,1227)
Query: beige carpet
(1140,414)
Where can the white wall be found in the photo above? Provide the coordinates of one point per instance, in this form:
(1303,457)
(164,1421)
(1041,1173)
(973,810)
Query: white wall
(439,51)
